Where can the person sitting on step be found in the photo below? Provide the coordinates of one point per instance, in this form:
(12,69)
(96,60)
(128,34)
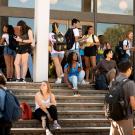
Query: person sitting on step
(73,73)
(46,107)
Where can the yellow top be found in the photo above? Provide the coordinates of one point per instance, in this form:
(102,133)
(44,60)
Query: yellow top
(88,40)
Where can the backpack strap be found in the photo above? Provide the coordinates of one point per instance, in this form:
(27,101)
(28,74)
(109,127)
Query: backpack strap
(93,38)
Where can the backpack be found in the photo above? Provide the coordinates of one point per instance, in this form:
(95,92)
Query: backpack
(70,38)
(60,44)
(101,82)
(26,111)
(116,105)
(119,51)
(12,111)
(13,44)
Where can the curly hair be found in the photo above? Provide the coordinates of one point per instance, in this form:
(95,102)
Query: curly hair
(70,58)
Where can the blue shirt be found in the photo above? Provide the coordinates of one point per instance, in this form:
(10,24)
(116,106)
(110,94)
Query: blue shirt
(73,71)
(2,101)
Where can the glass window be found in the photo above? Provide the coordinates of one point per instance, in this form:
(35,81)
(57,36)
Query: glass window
(66,5)
(13,21)
(21,3)
(124,7)
(113,32)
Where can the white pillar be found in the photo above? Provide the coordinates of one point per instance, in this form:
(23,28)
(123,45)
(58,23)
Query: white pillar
(42,14)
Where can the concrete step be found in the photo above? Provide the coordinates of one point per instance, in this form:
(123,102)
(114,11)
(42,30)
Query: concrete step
(63,131)
(81,114)
(67,99)
(37,85)
(27,131)
(61,92)
(65,123)
(76,106)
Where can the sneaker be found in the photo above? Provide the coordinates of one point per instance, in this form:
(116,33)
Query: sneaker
(58,81)
(17,80)
(84,82)
(48,132)
(56,126)
(62,75)
(22,80)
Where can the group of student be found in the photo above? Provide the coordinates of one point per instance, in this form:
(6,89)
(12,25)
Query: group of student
(19,56)
(84,57)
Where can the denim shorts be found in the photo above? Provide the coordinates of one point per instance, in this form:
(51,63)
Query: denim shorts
(8,51)
(61,55)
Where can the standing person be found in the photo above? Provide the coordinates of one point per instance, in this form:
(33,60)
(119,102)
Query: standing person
(9,54)
(5,126)
(25,40)
(125,126)
(90,42)
(73,73)
(46,107)
(74,39)
(128,45)
(57,56)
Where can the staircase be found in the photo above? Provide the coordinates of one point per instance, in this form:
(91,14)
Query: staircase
(82,115)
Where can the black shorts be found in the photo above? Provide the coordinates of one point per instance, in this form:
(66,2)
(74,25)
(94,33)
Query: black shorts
(90,51)
(21,49)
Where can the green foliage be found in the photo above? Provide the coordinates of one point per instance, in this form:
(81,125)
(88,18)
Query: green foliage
(117,33)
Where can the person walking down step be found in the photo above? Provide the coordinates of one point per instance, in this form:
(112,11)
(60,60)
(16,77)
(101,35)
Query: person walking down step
(45,107)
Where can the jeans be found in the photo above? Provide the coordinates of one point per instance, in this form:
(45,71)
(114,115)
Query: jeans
(77,79)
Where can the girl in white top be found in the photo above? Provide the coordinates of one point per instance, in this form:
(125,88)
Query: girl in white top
(127,44)
(8,53)
(56,56)
(45,105)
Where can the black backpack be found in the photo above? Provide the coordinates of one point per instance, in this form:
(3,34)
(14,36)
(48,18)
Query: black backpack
(60,44)
(70,38)
(119,51)
(12,110)
(13,44)
(116,105)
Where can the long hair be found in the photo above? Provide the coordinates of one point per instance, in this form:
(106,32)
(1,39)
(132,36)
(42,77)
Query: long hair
(24,27)
(70,58)
(55,27)
(10,30)
(88,27)
(48,87)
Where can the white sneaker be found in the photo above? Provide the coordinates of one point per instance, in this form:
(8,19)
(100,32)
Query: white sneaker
(48,132)
(58,81)
(84,82)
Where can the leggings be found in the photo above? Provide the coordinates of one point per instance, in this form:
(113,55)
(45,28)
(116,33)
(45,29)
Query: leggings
(52,111)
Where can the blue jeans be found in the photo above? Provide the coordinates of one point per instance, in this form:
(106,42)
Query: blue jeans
(77,79)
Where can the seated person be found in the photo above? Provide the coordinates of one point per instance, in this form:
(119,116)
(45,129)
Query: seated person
(73,72)
(105,71)
(46,107)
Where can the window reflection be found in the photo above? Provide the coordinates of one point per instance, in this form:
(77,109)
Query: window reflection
(113,32)
(124,7)
(21,3)
(13,21)
(66,5)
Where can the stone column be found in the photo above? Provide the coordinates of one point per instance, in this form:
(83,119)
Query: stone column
(42,14)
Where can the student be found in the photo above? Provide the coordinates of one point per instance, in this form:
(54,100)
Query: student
(46,107)
(90,42)
(125,126)
(25,40)
(105,71)
(73,73)
(57,56)
(9,54)
(5,126)
(128,45)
